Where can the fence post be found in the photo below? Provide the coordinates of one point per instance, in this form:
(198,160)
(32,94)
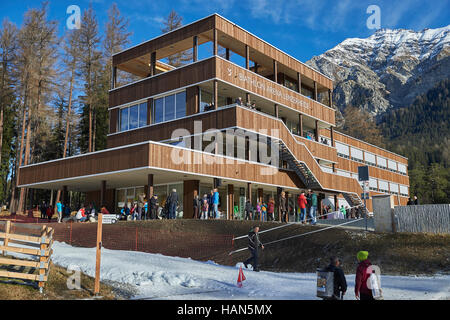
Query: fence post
(98,255)
(42,257)
(7,231)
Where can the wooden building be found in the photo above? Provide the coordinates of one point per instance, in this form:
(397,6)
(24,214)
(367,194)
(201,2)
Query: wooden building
(186,128)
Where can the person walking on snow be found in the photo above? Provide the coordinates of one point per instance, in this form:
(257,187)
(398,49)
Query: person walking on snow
(339,281)
(301,200)
(362,292)
(253,245)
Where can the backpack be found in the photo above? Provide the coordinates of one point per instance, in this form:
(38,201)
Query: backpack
(375,286)
(325,284)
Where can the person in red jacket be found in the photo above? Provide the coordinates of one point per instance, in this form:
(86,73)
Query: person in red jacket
(362,292)
(50,212)
(301,201)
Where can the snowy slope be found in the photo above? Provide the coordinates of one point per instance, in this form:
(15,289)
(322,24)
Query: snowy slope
(162,277)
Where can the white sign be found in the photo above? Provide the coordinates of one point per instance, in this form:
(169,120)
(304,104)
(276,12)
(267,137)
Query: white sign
(109,218)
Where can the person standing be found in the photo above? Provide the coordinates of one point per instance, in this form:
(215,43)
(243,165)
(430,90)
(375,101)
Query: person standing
(308,204)
(410,202)
(141,201)
(301,201)
(153,206)
(173,203)
(205,208)
(216,204)
(270,210)
(416,201)
(362,292)
(253,245)
(210,204)
(43,209)
(339,281)
(197,205)
(248,210)
(313,208)
(59,210)
(50,213)
(283,206)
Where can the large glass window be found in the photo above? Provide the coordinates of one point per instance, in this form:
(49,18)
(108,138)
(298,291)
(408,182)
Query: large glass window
(180,110)
(142,114)
(123,119)
(133,117)
(169,107)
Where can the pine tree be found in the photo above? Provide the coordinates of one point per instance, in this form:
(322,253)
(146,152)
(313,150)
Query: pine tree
(172,22)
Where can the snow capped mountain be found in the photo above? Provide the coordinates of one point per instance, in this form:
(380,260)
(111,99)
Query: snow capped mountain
(388,69)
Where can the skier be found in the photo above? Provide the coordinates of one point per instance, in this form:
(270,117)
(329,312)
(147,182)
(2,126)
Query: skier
(253,245)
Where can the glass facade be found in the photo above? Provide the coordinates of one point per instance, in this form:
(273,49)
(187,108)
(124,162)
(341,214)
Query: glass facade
(169,107)
(133,117)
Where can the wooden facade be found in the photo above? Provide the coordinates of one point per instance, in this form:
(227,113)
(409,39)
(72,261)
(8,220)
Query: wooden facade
(139,150)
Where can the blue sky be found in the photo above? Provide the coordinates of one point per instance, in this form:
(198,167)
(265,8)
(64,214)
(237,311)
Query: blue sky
(302,28)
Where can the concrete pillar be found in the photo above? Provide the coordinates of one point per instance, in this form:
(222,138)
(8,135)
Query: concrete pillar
(316,96)
(227,53)
(215,43)
(153,63)
(216,94)
(247,57)
(249,191)
(114,77)
(332,136)
(276,108)
(316,131)
(299,82)
(300,124)
(149,190)
(275,71)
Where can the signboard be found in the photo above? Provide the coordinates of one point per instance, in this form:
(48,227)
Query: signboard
(109,218)
(363,173)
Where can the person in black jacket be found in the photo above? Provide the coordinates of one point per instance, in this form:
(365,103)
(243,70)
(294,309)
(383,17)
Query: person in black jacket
(340,284)
(197,205)
(253,245)
(248,210)
(173,203)
(153,206)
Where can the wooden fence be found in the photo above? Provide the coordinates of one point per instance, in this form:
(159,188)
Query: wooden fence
(432,218)
(33,253)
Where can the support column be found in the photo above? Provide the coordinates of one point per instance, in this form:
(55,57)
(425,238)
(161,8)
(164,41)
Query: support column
(149,109)
(276,110)
(114,77)
(247,97)
(316,131)
(336,205)
(300,124)
(330,98)
(190,190)
(64,195)
(150,189)
(249,191)
(299,82)
(215,44)
(332,136)
(227,53)
(315,91)
(275,71)
(230,202)
(333,166)
(153,64)
(102,193)
(247,57)
(194,48)
(216,94)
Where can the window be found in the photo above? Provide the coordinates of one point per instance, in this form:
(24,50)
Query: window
(169,107)
(133,117)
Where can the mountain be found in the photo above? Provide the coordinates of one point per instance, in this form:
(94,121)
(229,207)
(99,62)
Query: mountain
(387,70)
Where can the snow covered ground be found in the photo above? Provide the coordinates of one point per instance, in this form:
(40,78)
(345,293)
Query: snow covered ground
(161,277)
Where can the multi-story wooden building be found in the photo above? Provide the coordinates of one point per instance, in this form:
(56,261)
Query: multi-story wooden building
(180,127)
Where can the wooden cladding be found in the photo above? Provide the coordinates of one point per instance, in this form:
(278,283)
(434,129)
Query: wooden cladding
(163,131)
(88,164)
(270,51)
(164,82)
(252,82)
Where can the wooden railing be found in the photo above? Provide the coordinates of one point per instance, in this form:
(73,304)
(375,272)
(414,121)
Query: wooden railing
(34,251)
(256,121)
